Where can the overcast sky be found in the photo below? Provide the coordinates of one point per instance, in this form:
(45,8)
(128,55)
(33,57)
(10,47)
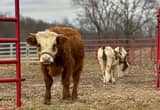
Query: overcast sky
(47,10)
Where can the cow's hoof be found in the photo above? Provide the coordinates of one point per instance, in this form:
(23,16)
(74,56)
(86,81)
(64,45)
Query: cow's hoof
(110,81)
(47,102)
(105,84)
(74,97)
(114,82)
(66,97)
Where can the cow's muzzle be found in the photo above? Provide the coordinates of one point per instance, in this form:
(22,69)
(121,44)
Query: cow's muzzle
(46,58)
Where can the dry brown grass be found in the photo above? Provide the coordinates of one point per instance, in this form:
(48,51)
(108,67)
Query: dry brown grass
(135,91)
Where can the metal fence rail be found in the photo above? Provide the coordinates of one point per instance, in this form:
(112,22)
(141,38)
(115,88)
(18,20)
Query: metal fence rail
(137,48)
(9,50)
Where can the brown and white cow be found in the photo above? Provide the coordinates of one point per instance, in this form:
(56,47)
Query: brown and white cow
(61,51)
(111,61)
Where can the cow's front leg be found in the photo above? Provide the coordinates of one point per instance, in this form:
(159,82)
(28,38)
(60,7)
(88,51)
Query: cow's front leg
(76,78)
(119,71)
(48,83)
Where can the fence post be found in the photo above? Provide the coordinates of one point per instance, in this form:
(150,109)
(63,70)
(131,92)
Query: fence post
(27,52)
(114,43)
(141,52)
(11,50)
(97,46)
(158,48)
(151,49)
(131,51)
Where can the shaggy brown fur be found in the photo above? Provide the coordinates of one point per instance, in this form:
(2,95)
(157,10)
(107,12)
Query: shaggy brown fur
(68,62)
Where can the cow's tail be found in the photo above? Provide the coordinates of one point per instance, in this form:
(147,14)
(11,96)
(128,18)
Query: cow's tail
(104,56)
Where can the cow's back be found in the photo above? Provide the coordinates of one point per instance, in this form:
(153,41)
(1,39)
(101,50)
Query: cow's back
(108,51)
(77,46)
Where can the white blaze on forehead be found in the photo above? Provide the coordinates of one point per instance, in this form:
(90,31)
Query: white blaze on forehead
(46,39)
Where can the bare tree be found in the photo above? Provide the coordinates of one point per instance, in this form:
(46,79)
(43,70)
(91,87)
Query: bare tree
(125,18)
(133,15)
(96,15)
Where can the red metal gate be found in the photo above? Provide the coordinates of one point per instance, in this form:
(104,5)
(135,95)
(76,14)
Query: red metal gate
(158,48)
(16,61)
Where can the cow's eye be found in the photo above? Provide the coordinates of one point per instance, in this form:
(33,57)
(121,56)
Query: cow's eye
(54,45)
(39,47)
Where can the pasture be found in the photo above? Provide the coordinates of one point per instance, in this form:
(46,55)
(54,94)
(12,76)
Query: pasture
(134,91)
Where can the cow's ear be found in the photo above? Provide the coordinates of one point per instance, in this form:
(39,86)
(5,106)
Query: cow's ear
(31,39)
(61,39)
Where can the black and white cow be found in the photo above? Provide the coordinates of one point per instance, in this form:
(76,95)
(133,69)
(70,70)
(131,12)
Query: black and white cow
(112,62)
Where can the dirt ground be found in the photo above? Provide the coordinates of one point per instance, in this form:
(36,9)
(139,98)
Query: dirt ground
(135,91)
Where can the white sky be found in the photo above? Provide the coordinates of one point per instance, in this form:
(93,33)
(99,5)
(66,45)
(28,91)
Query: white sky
(47,10)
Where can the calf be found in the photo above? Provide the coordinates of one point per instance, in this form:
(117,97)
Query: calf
(110,60)
(61,51)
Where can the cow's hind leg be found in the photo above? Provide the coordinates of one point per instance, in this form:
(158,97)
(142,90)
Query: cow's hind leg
(102,66)
(113,76)
(76,78)
(66,84)
(108,74)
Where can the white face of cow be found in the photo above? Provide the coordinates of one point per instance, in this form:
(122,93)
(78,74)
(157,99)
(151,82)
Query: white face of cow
(46,45)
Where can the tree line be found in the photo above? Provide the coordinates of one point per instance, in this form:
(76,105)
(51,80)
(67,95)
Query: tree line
(27,25)
(118,18)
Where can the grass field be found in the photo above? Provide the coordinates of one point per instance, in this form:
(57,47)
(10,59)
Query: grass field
(135,91)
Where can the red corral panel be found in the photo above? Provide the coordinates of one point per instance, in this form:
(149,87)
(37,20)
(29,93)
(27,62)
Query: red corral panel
(16,61)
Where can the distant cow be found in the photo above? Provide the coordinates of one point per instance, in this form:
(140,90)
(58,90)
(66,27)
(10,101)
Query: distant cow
(61,51)
(110,61)
(122,57)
